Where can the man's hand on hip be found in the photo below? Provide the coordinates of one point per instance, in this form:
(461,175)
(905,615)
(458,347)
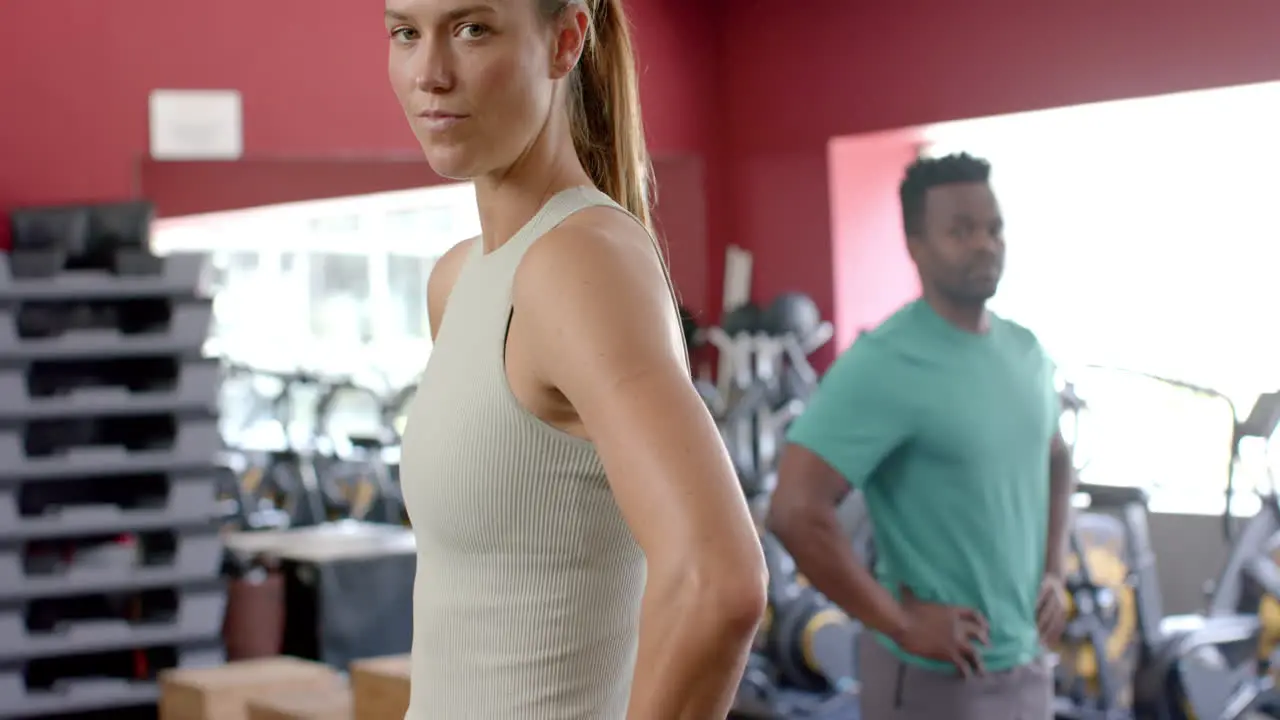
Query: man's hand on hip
(1051,609)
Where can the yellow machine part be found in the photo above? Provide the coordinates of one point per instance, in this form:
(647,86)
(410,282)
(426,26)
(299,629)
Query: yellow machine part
(1269,619)
(1104,553)
(822,619)
(1107,570)
(359,496)
(251,480)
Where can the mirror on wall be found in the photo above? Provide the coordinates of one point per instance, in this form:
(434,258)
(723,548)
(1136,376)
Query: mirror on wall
(336,287)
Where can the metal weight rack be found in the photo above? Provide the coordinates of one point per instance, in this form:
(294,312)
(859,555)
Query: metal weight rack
(109,550)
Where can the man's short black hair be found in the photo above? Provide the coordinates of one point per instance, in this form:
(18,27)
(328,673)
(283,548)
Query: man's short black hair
(927,173)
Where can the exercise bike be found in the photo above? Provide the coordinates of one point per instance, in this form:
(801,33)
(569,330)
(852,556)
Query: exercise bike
(1181,667)
(1098,650)
(279,486)
(1250,581)
(356,473)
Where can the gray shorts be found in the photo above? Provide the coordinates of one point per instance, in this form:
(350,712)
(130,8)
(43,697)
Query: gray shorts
(894,690)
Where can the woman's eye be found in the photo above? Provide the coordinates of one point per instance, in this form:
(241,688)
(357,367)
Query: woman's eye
(403,34)
(473,31)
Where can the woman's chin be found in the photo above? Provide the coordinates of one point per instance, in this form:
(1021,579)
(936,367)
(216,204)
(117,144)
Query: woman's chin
(452,163)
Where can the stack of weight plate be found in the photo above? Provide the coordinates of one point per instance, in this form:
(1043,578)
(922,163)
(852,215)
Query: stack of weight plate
(109,552)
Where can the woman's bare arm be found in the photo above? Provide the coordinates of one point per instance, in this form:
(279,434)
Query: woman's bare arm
(593,301)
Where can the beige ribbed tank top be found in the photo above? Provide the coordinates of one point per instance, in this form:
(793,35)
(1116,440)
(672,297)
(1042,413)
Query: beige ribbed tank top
(527,596)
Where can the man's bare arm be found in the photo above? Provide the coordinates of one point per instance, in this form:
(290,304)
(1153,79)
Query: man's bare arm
(802,514)
(1062,485)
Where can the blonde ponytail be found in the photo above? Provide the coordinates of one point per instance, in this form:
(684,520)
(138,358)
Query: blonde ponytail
(604,112)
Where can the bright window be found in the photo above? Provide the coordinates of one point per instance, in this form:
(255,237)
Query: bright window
(335,286)
(1141,236)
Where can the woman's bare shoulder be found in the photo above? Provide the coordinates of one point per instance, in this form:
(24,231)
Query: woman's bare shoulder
(599,246)
(443,275)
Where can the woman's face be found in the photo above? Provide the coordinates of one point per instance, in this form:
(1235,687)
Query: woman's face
(476,78)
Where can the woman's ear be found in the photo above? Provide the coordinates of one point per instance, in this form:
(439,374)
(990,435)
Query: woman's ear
(572,30)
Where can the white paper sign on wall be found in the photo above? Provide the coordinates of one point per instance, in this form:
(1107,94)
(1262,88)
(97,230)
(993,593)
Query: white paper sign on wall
(196,125)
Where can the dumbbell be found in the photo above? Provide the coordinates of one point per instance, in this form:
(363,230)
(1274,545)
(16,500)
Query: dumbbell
(813,642)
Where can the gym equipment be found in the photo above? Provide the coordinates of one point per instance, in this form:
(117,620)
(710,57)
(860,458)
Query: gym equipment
(810,641)
(327,473)
(1226,665)
(1249,580)
(1186,666)
(736,423)
(1074,410)
(804,664)
(794,314)
(253,626)
(1099,651)
(112,239)
(744,319)
(396,408)
(357,479)
(348,588)
(757,692)
(239,479)
(109,548)
(1120,656)
(1189,667)
(767,379)
(283,478)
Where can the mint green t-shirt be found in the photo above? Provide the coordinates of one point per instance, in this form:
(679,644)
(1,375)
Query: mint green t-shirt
(947,434)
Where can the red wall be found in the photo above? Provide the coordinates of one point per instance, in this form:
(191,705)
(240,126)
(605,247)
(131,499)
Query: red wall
(75,75)
(838,68)
(870,267)
(754,87)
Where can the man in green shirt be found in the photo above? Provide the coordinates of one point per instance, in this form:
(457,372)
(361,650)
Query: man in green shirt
(946,418)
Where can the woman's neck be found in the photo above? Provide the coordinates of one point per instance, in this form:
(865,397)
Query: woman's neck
(508,200)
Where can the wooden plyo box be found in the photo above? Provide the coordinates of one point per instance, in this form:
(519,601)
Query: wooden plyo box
(380,688)
(332,704)
(223,693)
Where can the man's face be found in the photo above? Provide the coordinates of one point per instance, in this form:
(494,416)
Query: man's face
(961,251)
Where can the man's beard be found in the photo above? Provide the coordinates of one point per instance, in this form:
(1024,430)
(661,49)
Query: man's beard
(970,292)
